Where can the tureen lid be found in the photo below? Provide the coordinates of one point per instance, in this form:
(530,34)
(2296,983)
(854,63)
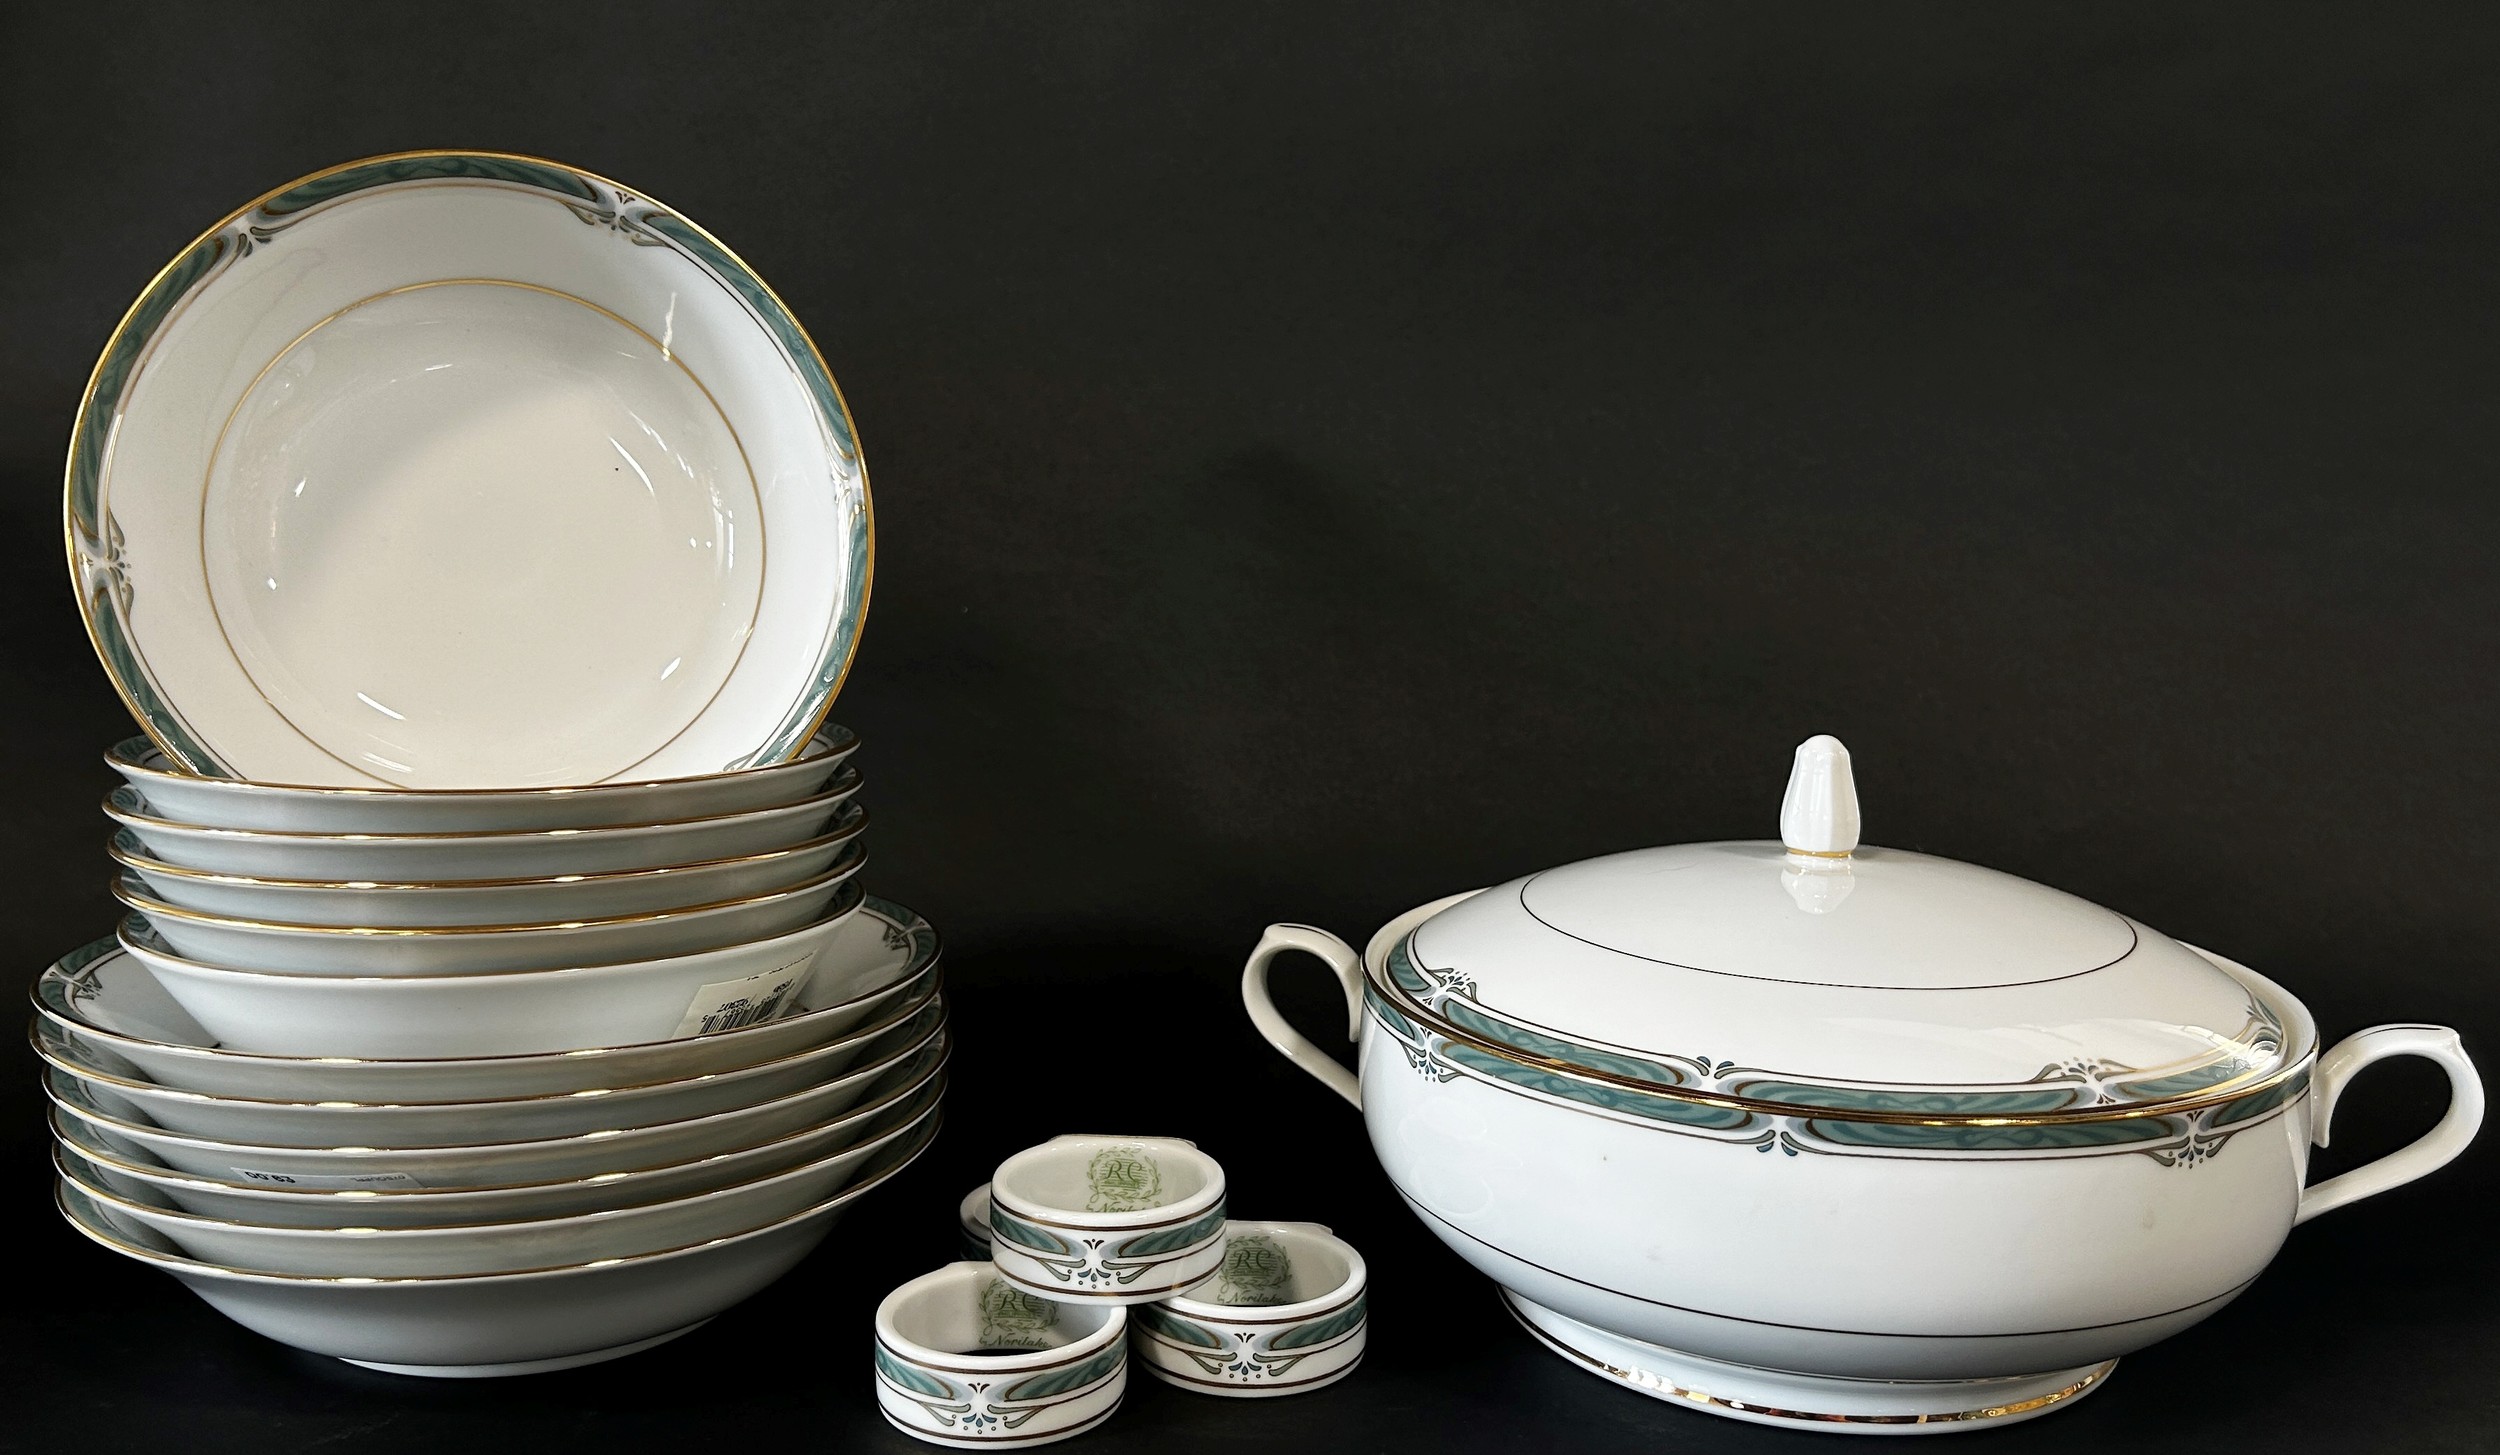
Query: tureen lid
(1815,972)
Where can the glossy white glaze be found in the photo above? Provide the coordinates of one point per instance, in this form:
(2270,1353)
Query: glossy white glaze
(495,1164)
(1287,1312)
(487,902)
(512,1119)
(466,1015)
(401,858)
(1107,1219)
(271,947)
(497,1324)
(120,1018)
(471,472)
(363,1251)
(1952,1266)
(966,1359)
(285,808)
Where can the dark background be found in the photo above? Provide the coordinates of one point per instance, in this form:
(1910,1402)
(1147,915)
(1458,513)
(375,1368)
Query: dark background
(1327,457)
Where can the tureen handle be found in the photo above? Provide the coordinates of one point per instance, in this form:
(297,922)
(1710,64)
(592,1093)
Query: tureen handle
(2430,1152)
(1338,956)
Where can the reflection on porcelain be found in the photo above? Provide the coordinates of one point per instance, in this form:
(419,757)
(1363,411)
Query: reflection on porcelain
(492,1164)
(290,808)
(861,969)
(389,1201)
(456,1015)
(449,470)
(359,1251)
(486,901)
(436,858)
(334,950)
(491,1324)
(2070,1135)
(513,1119)
(966,1358)
(1285,1312)
(972,1220)
(1107,1219)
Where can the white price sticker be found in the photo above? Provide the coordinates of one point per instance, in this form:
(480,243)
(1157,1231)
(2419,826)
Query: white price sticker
(728,1005)
(309,1182)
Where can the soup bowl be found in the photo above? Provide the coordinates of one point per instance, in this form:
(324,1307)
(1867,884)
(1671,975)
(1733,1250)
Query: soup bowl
(335,950)
(457,902)
(112,1009)
(227,803)
(405,856)
(465,1249)
(120,1128)
(382,1203)
(491,1324)
(511,1119)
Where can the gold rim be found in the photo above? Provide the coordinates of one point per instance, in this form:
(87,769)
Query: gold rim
(105,1195)
(115,1125)
(60,1118)
(154,908)
(146,865)
(913,969)
(86,399)
(2218,1095)
(845,784)
(835,911)
(178,1262)
(120,759)
(53,1058)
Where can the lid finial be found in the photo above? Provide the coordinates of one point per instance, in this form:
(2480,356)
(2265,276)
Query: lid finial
(1819,817)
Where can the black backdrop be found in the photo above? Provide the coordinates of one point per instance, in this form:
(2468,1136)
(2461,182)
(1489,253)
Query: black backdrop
(1330,456)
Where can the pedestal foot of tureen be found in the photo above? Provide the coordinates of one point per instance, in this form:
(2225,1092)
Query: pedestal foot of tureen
(529,1366)
(1806,1401)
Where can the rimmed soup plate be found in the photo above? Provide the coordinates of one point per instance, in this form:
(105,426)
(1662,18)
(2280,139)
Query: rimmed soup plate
(470,1248)
(514,1119)
(228,803)
(299,949)
(518,1012)
(864,966)
(495,1164)
(454,902)
(492,1324)
(428,857)
(388,1201)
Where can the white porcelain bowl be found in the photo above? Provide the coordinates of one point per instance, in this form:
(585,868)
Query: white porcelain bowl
(332,950)
(472,1248)
(457,470)
(228,804)
(401,857)
(496,1164)
(517,1013)
(112,1010)
(384,1203)
(515,1119)
(496,1324)
(453,902)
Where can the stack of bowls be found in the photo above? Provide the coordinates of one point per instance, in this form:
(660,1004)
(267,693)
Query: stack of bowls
(474,1082)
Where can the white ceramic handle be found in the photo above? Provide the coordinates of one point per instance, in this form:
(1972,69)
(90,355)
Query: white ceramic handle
(2433,1150)
(1338,956)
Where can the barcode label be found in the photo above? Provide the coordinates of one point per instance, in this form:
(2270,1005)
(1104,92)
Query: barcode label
(729,1004)
(333,1183)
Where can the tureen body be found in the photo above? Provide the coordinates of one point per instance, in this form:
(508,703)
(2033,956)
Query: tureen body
(1930,1168)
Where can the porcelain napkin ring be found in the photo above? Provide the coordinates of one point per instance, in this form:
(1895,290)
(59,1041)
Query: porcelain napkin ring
(1285,1312)
(966,1358)
(1096,1219)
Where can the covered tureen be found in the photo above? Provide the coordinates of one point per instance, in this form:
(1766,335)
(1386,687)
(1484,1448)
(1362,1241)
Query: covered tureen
(1842,1137)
